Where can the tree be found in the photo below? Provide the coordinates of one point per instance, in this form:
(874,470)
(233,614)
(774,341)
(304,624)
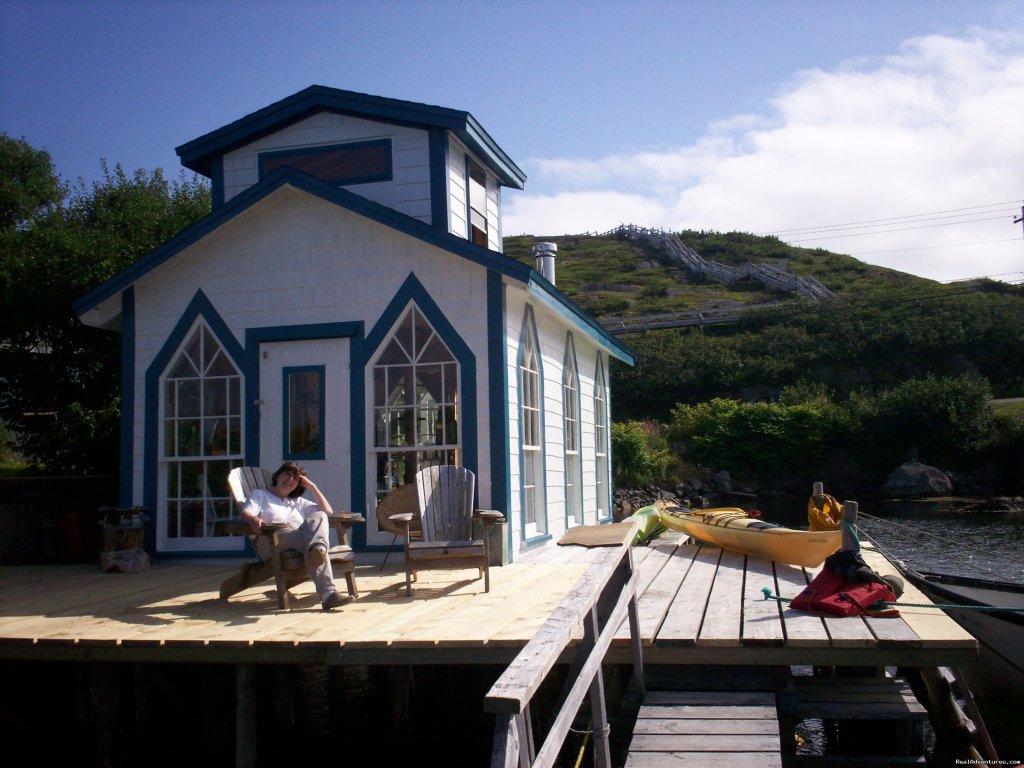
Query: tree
(29,187)
(61,379)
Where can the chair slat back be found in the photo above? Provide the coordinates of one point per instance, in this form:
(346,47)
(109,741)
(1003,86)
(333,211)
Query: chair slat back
(446,502)
(244,480)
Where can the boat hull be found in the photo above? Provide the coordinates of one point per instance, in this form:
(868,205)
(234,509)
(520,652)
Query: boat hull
(648,519)
(783,545)
(999,673)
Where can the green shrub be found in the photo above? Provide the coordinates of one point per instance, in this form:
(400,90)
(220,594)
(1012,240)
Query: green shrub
(752,439)
(640,453)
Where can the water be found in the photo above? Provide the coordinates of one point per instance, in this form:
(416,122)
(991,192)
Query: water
(932,535)
(936,536)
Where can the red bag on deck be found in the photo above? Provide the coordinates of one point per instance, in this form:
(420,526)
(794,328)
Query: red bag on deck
(825,584)
(856,599)
(830,593)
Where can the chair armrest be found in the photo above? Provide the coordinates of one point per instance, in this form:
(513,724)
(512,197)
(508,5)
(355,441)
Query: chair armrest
(401,517)
(238,528)
(345,518)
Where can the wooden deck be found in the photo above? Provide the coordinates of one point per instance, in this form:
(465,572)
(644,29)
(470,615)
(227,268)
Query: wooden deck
(699,605)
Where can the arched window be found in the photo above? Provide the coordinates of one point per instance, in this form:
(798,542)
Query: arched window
(201,436)
(601,443)
(415,403)
(571,436)
(531,428)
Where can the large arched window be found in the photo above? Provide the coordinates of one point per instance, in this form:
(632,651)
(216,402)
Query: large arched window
(571,436)
(602,448)
(531,429)
(201,437)
(415,403)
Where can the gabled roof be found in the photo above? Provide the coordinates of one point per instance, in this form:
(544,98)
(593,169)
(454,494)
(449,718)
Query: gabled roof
(199,154)
(350,201)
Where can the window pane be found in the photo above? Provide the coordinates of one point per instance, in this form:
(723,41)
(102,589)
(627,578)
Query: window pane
(234,435)
(394,352)
(191,479)
(358,162)
(429,388)
(221,366)
(403,336)
(170,400)
(435,352)
(188,437)
(451,382)
(304,408)
(170,437)
(188,397)
(400,385)
(215,397)
(215,437)
(235,396)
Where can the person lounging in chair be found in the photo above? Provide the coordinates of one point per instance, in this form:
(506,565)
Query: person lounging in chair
(301,525)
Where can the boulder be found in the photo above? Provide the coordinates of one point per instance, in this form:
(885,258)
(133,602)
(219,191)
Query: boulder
(915,479)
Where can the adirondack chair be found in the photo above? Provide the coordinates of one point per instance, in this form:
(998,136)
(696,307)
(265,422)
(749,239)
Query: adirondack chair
(285,566)
(446,525)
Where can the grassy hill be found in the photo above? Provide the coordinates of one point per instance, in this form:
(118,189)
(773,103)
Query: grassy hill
(882,328)
(614,276)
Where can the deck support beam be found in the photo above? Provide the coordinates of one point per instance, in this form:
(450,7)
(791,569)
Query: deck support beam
(246,732)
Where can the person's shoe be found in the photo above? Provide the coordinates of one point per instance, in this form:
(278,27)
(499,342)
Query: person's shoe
(333,601)
(317,557)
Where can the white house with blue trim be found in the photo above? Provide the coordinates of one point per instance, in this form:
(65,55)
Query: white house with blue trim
(347,304)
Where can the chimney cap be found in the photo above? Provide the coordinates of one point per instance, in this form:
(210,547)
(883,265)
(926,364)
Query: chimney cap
(545,248)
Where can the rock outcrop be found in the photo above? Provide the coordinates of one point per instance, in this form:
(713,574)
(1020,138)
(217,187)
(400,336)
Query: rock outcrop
(914,479)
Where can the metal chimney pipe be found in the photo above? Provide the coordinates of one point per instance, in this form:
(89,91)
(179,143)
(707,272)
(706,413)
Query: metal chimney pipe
(544,255)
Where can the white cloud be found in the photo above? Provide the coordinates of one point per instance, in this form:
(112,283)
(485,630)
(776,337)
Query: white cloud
(934,127)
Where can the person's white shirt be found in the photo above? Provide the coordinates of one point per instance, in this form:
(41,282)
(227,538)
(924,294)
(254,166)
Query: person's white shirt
(276,511)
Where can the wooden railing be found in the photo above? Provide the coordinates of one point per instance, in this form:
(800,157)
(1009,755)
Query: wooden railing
(600,601)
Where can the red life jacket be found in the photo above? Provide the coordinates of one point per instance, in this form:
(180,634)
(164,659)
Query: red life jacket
(831,594)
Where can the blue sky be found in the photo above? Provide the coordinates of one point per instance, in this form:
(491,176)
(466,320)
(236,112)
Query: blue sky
(887,130)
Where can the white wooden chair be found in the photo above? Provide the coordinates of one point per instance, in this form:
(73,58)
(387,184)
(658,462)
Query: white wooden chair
(286,566)
(446,523)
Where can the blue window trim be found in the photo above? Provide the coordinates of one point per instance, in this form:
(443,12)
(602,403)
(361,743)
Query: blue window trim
(411,291)
(438,150)
(320,453)
(352,330)
(570,357)
(601,387)
(497,396)
(127,470)
(199,307)
(251,370)
(530,328)
(387,175)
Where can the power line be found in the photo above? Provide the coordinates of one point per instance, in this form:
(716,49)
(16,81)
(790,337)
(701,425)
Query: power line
(877,222)
(932,247)
(889,231)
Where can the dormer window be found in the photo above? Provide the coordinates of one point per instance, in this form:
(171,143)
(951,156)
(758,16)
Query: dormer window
(360,162)
(477,203)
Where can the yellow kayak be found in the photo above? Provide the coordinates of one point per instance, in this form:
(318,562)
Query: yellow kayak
(731,528)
